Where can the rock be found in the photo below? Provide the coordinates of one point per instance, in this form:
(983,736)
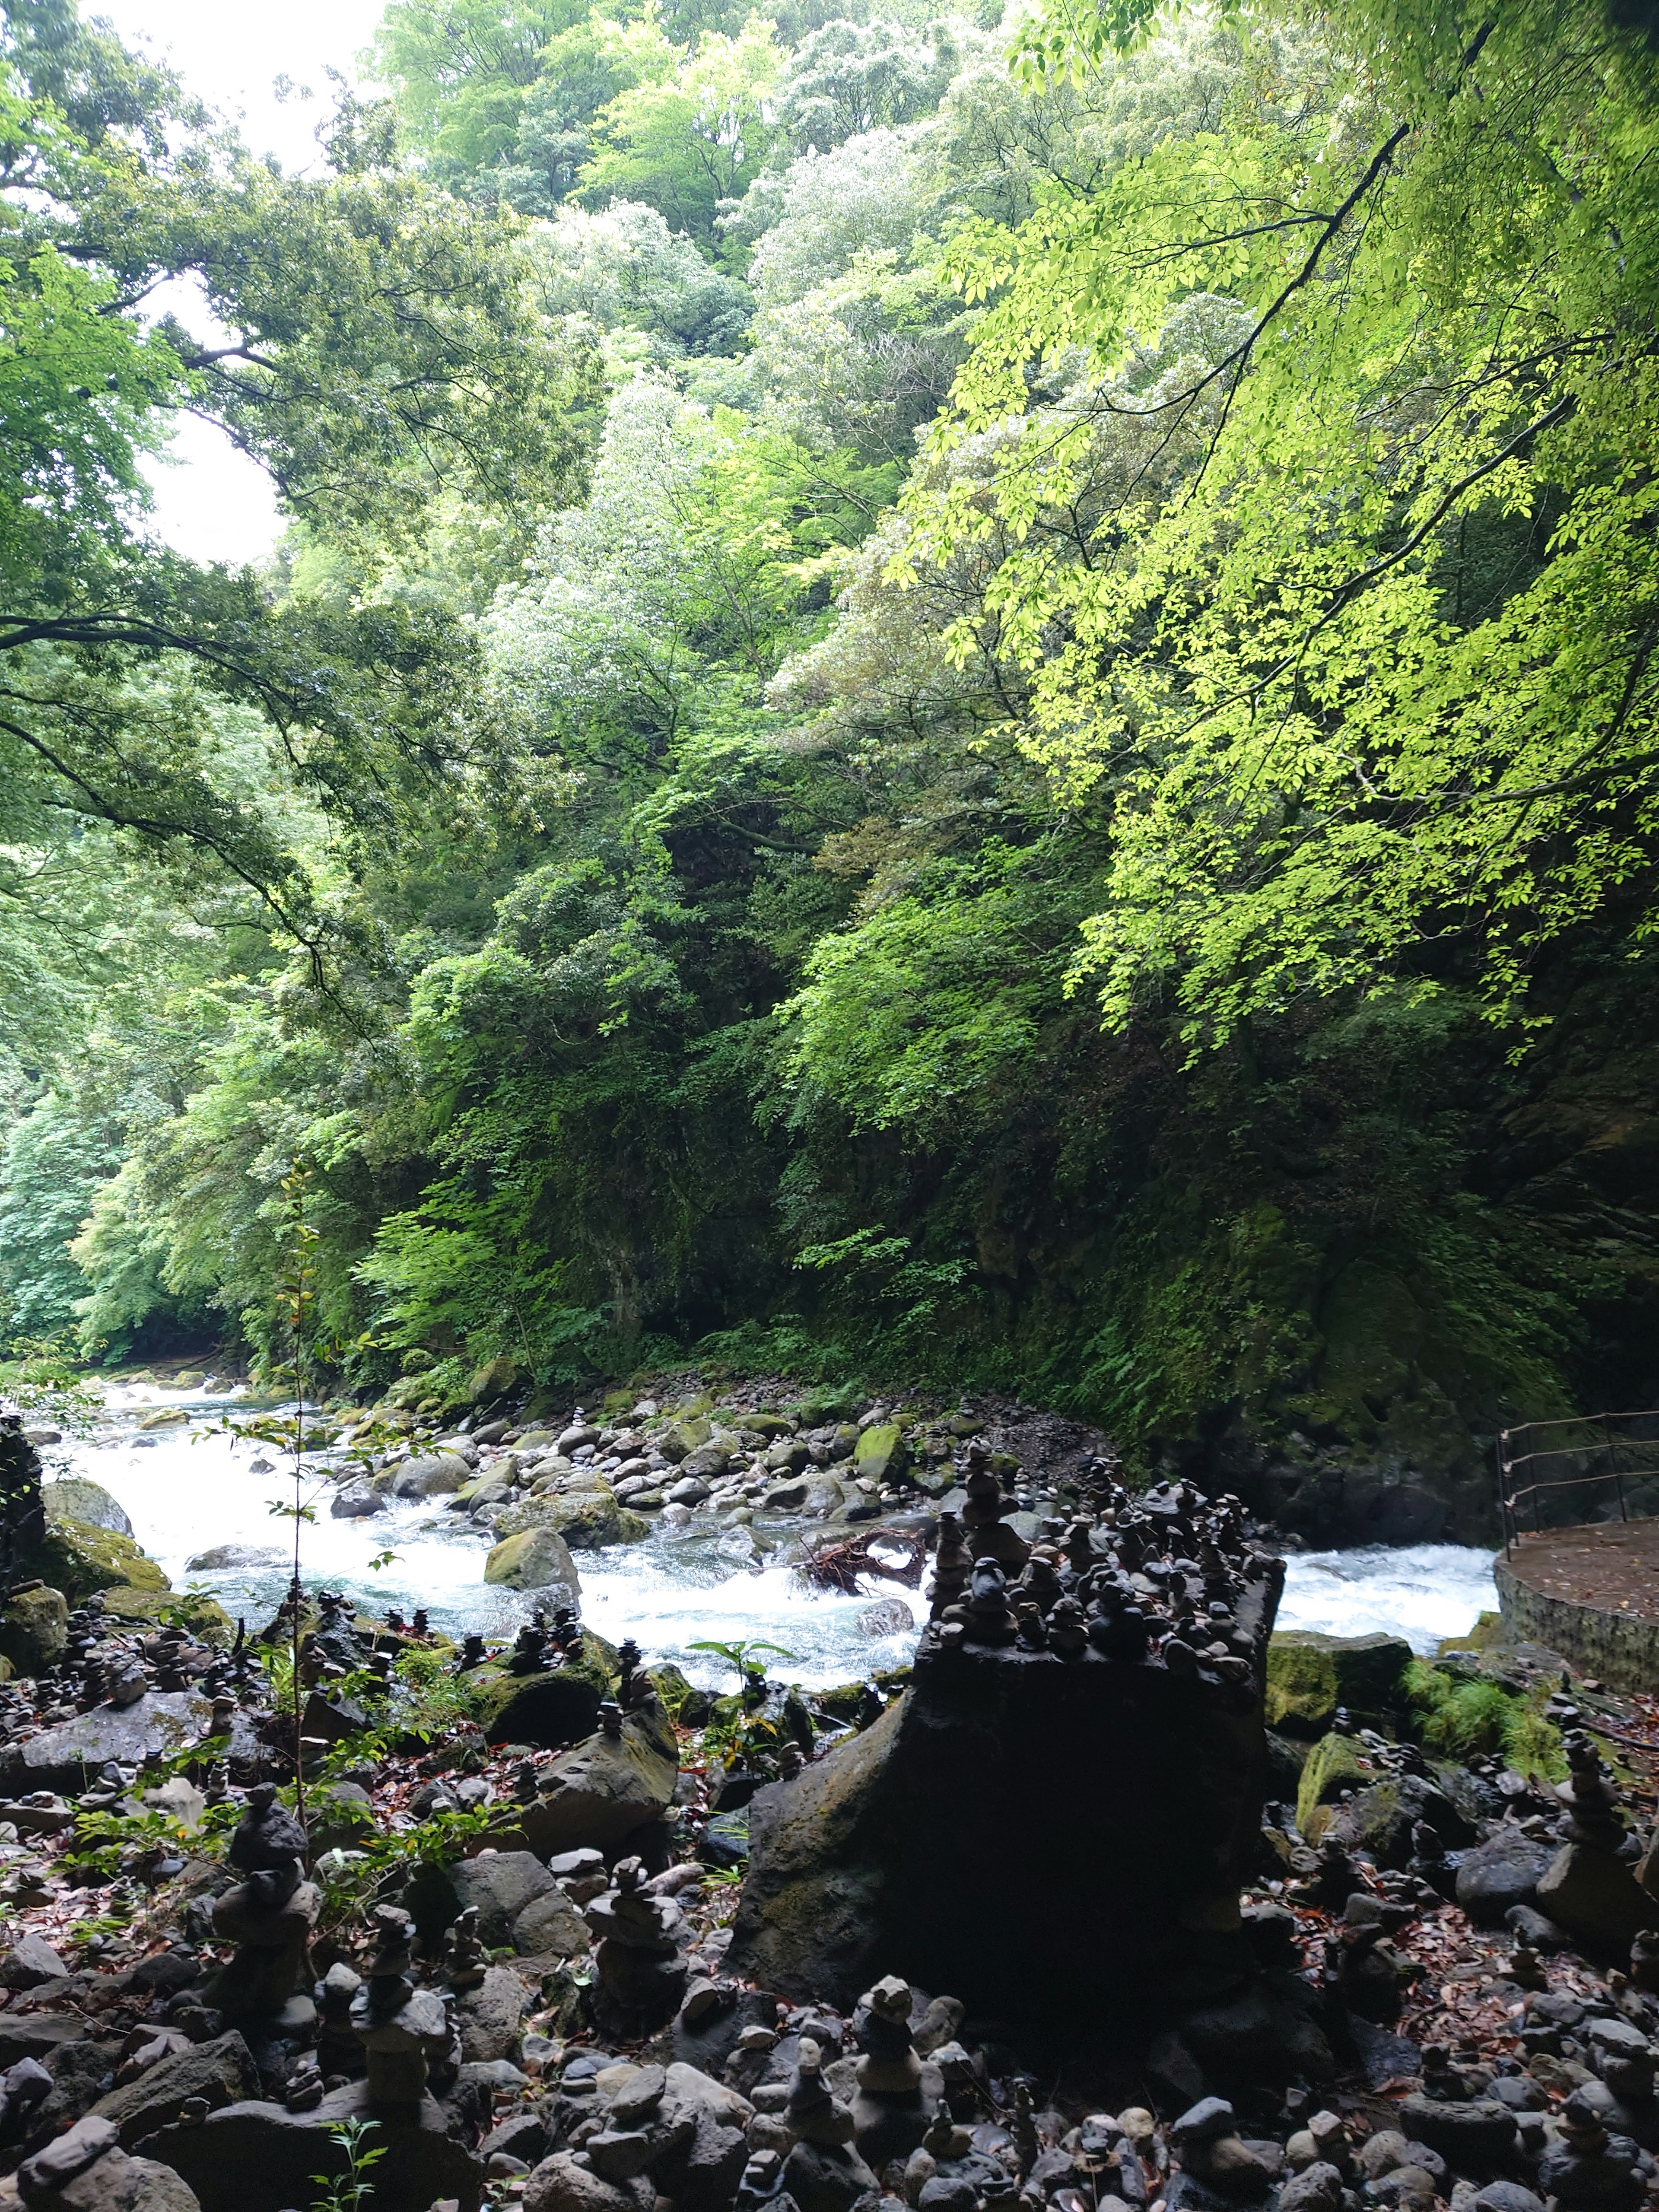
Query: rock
(1477,2138)
(53,2168)
(603,1790)
(707,1463)
(684,1437)
(521,2134)
(690,1490)
(30,1961)
(1310,1675)
(1317,2188)
(223,1556)
(221,2071)
(165,1417)
(1500,1874)
(881,1453)
(587,1518)
(66,1756)
(37,2034)
(76,1498)
(550,1927)
(120,2183)
(492,2016)
(34,1629)
(259,2157)
(1379,1819)
(500,1884)
(833,2178)
(888,1616)
(1594,1896)
(1507,2197)
(1529,1926)
(494,1379)
(538,1559)
(1381,2153)
(79,1558)
(356,1501)
(340,1818)
(433,1475)
(555,1710)
(559,2185)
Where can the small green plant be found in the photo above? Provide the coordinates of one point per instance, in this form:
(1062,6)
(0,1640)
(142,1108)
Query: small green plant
(740,1656)
(350,2193)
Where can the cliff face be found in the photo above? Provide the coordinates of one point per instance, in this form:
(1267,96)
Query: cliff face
(1325,1267)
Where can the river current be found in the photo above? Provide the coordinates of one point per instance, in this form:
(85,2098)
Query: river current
(192,1490)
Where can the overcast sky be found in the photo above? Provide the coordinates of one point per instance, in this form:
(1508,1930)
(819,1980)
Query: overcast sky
(212,503)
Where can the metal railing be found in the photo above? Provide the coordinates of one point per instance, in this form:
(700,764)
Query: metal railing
(1530,1478)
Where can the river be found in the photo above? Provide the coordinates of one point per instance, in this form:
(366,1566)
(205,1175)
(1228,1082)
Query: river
(190,1490)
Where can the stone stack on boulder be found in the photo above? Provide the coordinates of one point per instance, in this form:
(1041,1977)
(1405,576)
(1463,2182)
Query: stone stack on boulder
(1125,1772)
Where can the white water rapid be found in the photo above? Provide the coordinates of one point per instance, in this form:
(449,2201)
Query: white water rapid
(190,1490)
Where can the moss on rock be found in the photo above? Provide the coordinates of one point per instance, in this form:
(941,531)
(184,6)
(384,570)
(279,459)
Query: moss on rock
(77,1558)
(1300,1696)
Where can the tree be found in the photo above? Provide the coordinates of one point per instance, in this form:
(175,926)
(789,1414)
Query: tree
(1379,686)
(692,132)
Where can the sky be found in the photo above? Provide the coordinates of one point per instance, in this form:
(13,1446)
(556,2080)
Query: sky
(211,502)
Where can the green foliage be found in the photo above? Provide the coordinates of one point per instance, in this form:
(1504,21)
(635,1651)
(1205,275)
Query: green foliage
(354,2191)
(1463,1718)
(1331,1763)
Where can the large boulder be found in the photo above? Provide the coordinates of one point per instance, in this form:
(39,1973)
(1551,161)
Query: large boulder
(872,1860)
(259,2157)
(881,1452)
(1500,1874)
(604,1790)
(587,1518)
(77,1498)
(34,1629)
(500,1884)
(1310,1675)
(430,1475)
(556,1709)
(535,1559)
(1595,1897)
(63,1757)
(221,2071)
(77,1558)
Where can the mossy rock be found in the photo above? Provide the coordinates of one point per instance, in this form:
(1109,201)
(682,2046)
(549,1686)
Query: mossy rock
(1300,1694)
(77,1558)
(204,1617)
(535,1559)
(587,1518)
(685,1436)
(1334,1765)
(769,1426)
(34,1629)
(841,1702)
(552,1709)
(1488,1632)
(494,1379)
(1364,1676)
(881,1452)
(671,1688)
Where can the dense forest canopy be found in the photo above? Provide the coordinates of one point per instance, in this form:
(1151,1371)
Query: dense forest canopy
(970,693)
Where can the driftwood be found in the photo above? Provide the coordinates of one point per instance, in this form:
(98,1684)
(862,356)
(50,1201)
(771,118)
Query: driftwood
(838,1565)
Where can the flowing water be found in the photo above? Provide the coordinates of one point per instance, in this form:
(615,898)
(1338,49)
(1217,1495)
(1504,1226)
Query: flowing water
(194,1489)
